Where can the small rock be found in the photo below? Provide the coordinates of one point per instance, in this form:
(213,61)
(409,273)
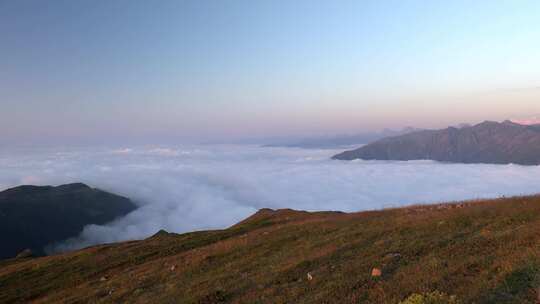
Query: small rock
(376,272)
(309,276)
(392,255)
(173,267)
(103,279)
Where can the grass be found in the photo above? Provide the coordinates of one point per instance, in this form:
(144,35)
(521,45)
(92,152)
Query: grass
(479,252)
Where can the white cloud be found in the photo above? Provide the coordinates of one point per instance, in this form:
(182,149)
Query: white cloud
(182,189)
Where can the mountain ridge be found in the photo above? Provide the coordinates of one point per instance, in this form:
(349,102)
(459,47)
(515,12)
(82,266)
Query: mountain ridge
(487,142)
(339,141)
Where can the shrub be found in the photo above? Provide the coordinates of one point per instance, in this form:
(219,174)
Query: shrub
(434,297)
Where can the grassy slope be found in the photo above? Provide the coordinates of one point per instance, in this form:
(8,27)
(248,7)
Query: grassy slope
(483,252)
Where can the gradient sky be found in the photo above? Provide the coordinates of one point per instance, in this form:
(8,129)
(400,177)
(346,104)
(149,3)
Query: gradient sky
(154,71)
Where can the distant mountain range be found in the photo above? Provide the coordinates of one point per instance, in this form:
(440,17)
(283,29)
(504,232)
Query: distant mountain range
(32,217)
(339,141)
(487,142)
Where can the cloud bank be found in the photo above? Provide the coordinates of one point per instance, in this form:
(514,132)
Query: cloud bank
(182,189)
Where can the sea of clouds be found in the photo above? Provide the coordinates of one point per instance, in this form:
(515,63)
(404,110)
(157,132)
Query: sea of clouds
(189,188)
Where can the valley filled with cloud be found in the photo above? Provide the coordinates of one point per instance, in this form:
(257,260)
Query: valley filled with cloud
(189,188)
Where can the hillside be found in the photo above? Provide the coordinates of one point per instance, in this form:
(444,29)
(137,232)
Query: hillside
(487,142)
(32,217)
(481,252)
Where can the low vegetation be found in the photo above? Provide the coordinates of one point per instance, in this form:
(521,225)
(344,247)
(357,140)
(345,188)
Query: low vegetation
(470,252)
(433,297)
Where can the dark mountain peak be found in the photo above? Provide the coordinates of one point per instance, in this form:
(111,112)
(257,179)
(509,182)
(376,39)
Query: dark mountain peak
(487,123)
(265,211)
(510,123)
(487,142)
(73,187)
(506,123)
(24,189)
(38,193)
(35,216)
(161,233)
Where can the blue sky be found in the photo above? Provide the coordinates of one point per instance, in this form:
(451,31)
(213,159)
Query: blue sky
(204,70)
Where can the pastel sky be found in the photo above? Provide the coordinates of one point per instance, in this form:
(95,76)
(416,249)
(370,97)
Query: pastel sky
(153,71)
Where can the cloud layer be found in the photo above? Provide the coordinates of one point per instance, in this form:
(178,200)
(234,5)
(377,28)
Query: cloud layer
(183,189)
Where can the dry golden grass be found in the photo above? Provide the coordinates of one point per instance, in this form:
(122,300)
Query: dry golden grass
(482,252)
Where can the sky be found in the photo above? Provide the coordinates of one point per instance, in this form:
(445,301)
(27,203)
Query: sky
(195,71)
